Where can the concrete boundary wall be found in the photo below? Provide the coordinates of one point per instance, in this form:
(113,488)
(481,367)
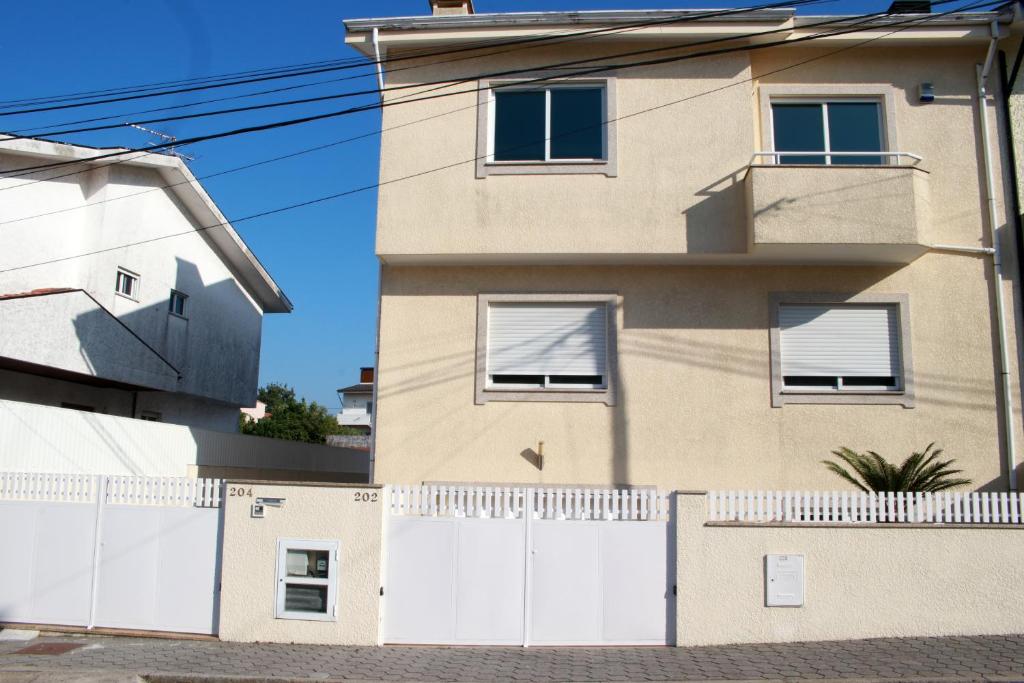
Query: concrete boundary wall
(862,581)
(350,515)
(38,438)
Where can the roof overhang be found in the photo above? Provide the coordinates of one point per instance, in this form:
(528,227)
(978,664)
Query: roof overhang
(179,179)
(83,340)
(404,32)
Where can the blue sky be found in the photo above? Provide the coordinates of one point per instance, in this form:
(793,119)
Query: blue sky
(322,256)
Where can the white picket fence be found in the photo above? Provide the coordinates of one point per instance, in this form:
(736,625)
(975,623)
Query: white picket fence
(118,489)
(544,503)
(854,507)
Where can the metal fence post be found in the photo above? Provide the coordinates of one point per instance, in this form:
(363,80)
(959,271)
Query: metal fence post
(528,509)
(101,501)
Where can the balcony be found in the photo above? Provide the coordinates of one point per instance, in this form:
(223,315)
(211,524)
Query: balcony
(837,212)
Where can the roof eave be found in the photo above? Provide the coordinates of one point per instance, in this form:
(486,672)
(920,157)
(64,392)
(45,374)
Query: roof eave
(603,17)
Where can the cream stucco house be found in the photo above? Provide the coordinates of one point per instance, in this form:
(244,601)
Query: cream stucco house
(699,272)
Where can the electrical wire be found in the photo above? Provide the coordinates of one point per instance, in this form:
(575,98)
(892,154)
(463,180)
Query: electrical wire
(851,28)
(446,83)
(531,39)
(900,27)
(565,37)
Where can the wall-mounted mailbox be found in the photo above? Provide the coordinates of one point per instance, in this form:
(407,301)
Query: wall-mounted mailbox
(259,508)
(784,581)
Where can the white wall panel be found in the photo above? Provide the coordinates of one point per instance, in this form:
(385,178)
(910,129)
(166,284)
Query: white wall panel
(158,569)
(566,601)
(489,585)
(46,565)
(419,592)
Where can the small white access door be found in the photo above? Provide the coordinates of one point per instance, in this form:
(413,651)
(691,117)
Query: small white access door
(600,583)
(454,580)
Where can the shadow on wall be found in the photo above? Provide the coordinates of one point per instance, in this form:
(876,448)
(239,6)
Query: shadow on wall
(214,347)
(717,222)
(652,318)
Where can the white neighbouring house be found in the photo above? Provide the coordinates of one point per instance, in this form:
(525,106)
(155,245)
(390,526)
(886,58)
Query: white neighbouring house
(166,329)
(357,402)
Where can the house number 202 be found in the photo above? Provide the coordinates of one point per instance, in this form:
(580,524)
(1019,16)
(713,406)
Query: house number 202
(366,496)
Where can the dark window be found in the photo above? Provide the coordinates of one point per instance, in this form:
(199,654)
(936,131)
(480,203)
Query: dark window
(799,128)
(533,380)
(127,284)
(519,125)
(852,127)
(576,379)
(795,381)
(577,118)
(549,124)
(176,305)
(869,382)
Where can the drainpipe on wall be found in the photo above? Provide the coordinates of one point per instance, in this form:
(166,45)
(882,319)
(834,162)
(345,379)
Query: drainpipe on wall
(376,375)
(997,263)
(380,280)
(375,36)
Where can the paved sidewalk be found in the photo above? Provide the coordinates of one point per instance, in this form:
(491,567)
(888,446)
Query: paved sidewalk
(168,661)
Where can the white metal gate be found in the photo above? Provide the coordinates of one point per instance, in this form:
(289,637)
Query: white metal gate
(523,566)
(119,551)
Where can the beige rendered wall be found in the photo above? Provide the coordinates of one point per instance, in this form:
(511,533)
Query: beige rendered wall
(311,512)
(679,188)
(871,581)
(694,401)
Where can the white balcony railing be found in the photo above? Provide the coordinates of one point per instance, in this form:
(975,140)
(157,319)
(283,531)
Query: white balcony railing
(898,158)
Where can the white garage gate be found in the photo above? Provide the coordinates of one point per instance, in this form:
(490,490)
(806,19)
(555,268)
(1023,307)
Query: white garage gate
(110,551)
(524,566)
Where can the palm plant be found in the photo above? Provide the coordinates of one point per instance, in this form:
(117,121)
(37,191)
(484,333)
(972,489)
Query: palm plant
(922,471)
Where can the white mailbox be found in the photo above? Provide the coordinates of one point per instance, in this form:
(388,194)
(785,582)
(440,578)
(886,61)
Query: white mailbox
(784,581)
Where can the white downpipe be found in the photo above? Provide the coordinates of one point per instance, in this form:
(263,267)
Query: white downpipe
(380,68)
(965,250)
(374,400)
(997,263)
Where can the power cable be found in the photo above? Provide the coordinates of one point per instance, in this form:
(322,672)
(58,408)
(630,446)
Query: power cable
(531,39)
(901,26)
(854,27)
(568,36)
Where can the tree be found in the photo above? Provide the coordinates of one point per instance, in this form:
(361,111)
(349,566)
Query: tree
(292,419)
(920,472)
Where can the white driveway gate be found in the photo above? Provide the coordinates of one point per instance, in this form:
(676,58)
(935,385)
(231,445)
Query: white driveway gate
(120,552)
(458,570)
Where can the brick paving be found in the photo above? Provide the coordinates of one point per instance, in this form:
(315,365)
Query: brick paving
(171,661)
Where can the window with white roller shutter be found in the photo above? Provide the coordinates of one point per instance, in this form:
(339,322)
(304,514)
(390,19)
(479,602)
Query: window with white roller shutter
(547,345)
(840,347)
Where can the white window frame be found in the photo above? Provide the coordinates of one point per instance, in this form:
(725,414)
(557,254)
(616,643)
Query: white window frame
(333,548)
(546,88)
(883,93)
(184,304)
(135,277)
(839,387)
(568,393)
(486,165)
(824,102)
(864,395)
